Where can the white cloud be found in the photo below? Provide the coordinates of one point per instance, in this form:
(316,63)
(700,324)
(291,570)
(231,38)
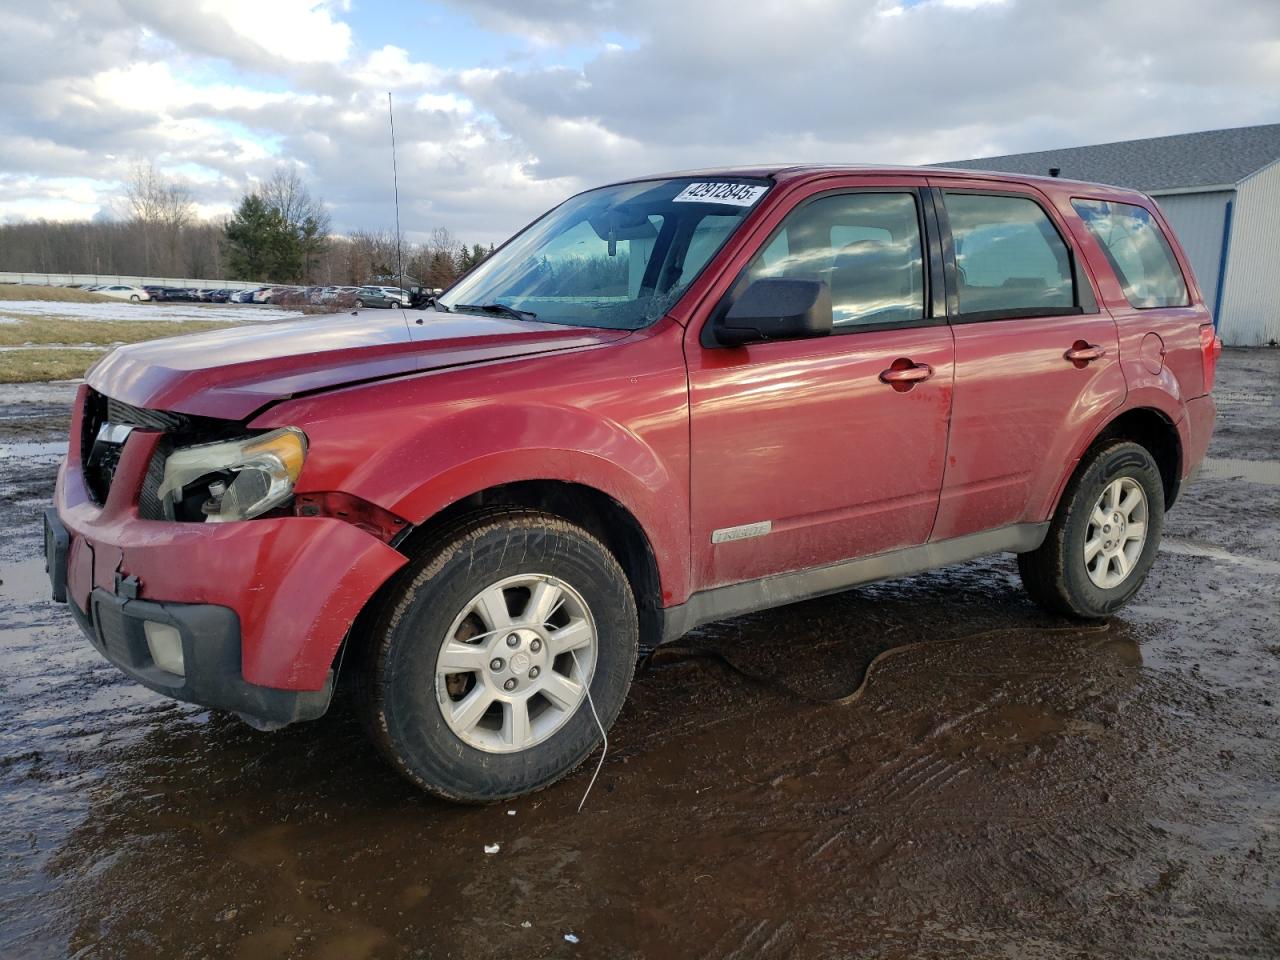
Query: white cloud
(219,91)
(391,67)
(261,33)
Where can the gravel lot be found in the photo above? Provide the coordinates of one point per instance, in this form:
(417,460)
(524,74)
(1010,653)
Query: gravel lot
(1004,785)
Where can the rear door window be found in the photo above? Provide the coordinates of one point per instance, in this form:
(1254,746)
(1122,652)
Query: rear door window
(1010,258)
(1138,252)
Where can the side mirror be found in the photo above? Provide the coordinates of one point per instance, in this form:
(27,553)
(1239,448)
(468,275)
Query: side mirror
(776,308)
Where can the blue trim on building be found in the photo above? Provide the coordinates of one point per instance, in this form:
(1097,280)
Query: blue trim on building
(1222,261)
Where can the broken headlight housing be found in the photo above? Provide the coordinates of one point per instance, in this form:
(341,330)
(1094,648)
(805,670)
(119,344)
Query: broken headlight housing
(233,479)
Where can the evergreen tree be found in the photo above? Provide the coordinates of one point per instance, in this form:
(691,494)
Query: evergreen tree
(278,232)
(253,239)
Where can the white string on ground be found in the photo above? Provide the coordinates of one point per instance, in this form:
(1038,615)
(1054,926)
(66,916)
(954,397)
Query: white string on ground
(604,748)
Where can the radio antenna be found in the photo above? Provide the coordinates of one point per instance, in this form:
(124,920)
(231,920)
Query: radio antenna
(395,181)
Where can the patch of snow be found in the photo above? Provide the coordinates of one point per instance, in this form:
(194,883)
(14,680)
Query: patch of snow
(167,312)
(61,392)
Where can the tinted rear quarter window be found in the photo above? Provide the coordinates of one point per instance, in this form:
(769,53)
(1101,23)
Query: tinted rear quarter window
(1010,258)
(1138,252)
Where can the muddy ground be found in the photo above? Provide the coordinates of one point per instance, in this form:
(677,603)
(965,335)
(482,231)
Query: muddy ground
(1015,787)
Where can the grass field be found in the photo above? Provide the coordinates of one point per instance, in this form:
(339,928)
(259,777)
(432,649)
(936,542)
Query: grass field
(35,366)
(34,349)
(26,291)
(71,331)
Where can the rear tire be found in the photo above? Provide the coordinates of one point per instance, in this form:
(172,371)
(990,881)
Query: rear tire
(1103,538)
(476,675)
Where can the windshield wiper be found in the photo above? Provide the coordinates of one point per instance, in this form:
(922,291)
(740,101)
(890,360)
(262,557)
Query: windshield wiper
(498,309)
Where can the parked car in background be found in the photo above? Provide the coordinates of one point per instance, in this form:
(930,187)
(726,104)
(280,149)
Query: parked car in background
(381,297)
(668,402)
(276,294)
(341,297)
(123,291)
(421,297)
(397,293)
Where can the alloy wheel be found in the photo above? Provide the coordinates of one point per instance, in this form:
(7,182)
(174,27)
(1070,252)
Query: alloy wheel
(1116,533)
(516,663)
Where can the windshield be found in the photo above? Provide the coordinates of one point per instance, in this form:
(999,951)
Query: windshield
(617,257)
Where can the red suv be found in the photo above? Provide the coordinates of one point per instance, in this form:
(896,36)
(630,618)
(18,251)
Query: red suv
(665,402)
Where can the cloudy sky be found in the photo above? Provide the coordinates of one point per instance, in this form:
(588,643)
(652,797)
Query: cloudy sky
(505,106)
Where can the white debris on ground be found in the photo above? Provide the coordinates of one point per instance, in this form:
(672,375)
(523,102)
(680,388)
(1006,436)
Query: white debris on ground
(124,310)
(492,847)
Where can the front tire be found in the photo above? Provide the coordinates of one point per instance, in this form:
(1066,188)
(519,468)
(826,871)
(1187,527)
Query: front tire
(478,670)
(1103,538)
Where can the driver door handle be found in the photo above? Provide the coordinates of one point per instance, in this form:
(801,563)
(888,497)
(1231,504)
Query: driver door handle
(904,374)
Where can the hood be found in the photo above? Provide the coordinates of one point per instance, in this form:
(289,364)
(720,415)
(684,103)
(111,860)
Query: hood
(231,373)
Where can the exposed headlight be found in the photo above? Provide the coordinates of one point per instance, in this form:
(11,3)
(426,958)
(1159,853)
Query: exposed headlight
(235,479)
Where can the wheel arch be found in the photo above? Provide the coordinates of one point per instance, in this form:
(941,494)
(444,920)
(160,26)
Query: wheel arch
(592,509)
(1148,427)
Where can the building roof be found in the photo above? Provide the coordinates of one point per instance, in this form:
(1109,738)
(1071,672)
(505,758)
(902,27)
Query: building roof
(1185,160)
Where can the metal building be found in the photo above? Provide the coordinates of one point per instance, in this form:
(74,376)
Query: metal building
(1221,191)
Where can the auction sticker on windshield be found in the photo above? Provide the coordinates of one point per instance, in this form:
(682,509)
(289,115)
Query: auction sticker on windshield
(733,194)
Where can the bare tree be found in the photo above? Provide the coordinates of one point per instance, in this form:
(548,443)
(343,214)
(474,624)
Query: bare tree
(302,216)
(161,208)
(374,254)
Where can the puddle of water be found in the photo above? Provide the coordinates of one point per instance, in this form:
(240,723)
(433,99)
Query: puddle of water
(25,581)
(1252,471)
(1193,548)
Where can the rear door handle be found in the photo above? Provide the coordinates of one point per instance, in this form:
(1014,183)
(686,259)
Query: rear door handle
(905,372)
(1082,352)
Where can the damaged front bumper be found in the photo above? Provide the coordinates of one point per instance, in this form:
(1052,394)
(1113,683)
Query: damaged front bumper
(254,611)
(200,659)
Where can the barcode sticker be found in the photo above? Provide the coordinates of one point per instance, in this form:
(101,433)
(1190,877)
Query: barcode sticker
(733,194)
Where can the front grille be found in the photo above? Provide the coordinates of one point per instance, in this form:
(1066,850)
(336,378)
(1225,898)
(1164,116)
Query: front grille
(150,506)
(99,459)
(160,420)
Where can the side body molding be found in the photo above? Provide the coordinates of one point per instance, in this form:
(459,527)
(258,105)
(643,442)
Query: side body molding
(739,598)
